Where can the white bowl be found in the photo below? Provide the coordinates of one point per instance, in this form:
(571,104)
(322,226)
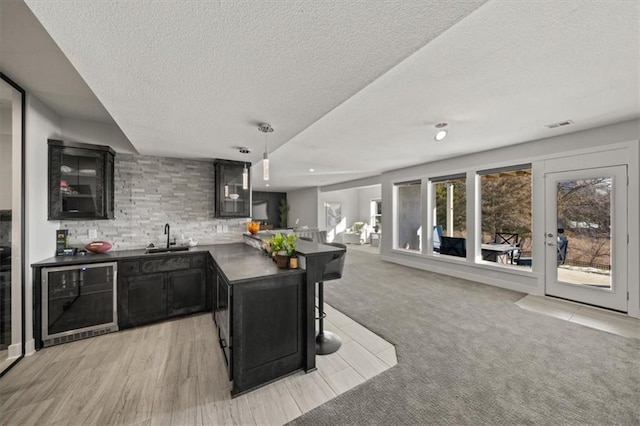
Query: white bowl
(234,196)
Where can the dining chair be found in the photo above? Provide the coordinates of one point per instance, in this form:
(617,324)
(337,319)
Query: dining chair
(453,246)
(563,245)
(512,240)
(437,238)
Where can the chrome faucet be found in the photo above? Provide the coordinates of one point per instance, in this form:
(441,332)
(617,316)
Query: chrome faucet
(166,231)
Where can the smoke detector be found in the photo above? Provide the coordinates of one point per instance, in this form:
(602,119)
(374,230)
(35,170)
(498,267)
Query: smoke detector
(244,150)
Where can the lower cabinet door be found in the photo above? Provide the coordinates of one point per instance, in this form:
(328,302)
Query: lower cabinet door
(187,291)
(147,298)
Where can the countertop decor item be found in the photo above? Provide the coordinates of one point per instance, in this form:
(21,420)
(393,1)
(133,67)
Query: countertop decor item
(98,246)
(253,227)
(282,247)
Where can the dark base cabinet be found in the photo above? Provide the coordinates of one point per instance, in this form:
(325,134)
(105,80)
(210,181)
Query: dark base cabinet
(186,293)
(261,328)
(145,298)
(158,288)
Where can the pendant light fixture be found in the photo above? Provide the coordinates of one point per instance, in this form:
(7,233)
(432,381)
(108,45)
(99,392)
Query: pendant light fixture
(265,128)
(245,177)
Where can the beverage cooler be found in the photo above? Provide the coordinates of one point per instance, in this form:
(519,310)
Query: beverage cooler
(78,301)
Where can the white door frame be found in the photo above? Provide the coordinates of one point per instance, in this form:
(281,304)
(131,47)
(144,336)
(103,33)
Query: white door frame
(617,296)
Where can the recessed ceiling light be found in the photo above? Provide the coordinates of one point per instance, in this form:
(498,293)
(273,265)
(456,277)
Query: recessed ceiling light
(441,135)
(312,170)
(267,185)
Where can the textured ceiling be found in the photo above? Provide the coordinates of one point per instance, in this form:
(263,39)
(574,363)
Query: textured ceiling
(31,58)
(352,89)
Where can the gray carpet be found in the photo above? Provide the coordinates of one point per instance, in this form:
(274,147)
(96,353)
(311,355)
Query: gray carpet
(468,355)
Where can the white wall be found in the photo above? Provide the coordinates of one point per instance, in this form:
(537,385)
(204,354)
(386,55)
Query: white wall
(303,207)
(5,172)
(15,349)
(41,124)
(350,210)
(621,138)
(5,158)
(96,133)
(365,195)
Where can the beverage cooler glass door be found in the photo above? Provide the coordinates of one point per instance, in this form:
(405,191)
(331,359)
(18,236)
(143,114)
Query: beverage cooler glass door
(78,302)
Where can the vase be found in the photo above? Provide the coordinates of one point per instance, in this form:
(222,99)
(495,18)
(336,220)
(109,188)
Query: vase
(282,261)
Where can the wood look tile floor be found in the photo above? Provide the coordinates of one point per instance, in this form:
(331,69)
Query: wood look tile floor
(173,373)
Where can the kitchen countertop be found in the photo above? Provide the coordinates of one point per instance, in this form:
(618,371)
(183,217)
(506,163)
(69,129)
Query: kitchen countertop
(238,261)
(304,248)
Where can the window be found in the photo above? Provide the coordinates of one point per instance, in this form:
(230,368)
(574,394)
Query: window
(450,215)
(408,215)
(506,215)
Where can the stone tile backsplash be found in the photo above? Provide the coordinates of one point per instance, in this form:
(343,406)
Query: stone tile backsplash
(152,191)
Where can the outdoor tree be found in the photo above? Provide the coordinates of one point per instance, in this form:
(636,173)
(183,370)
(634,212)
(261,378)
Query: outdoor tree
(459,205)
(584,209)
(506,204)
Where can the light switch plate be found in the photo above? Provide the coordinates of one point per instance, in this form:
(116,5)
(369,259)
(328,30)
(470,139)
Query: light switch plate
(93,233)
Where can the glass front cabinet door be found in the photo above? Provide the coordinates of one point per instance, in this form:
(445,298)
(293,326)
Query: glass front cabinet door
(233,188)
(80,181)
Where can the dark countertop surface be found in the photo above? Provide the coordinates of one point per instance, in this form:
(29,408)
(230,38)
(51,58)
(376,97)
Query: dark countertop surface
(112,256)
(238,261)
(305,248)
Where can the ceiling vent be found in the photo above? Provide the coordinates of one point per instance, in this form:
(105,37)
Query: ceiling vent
(559,124)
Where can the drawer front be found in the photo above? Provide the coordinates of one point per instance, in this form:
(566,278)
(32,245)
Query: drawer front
(165,264)
(128,267)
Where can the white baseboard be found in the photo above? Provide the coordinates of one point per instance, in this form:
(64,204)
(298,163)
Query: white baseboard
(30,347)
(14,350)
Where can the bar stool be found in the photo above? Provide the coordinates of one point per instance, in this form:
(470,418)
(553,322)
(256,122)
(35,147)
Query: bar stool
(326,341)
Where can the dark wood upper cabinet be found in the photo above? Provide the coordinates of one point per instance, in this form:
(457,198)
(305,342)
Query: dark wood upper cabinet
(233,197)
(80,181)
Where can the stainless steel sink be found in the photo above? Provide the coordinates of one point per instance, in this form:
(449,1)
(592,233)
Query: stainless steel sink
(166,249)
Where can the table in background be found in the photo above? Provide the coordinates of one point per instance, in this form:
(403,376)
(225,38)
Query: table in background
(495,252)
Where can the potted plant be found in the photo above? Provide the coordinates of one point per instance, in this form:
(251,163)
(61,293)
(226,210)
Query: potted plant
(282,247)
(284,212)
(290,248)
